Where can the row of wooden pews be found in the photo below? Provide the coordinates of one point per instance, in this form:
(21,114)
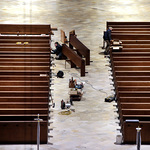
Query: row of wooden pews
(24,82)
(77,53)
(131,77)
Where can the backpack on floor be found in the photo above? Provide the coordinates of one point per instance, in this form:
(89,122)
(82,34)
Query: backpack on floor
(60,74)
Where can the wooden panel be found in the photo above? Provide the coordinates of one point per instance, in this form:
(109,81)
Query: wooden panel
(133,83)
(28,135)
(132,73)
(127,23)
(131,63)
(75,59)
(81,48)
(131,36)
(130,132)
(131,58)
(135,105)
(25,29)
(135,41)
(134,99)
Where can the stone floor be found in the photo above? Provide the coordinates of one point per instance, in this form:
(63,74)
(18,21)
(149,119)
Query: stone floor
(93,125)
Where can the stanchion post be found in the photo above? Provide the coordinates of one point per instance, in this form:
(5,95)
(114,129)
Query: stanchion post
(138,138)
(38,130)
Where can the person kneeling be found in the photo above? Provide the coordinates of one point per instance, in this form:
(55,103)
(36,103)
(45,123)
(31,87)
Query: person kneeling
(57,51)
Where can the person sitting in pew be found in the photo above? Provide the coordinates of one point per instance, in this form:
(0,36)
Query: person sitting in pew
(58,50)
(107,37)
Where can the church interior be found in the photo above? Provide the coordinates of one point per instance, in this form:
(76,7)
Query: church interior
(92,123)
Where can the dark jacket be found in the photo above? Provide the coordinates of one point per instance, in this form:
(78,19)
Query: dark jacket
(107,35)
(58,49)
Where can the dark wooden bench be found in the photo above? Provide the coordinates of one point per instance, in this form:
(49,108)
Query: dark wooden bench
(131,63)
(30,29)
(136,42)
(25,82)
(63,37)
(133,83)
(130,127)
(74,59)
(130,32)
(82,50)
(23,136)
(24,99)
(134,105)
(131,58)
(131,36)
(132,29)
(134,99)
(131,72)
(132,78)
(136,46)
(135,54)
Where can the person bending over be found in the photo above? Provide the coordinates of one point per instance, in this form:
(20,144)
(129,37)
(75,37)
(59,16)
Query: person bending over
(58,50)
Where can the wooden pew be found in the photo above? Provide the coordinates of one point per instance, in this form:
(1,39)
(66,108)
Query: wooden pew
(115,29)
(24,99)
(63,37)
(128,24)
(26,29)
(74,58)
(132,78)
(136,41)
(132,73)
(23,136)
(25,82)
(82,50)
(130,32)
(32,45)
(135,105)
(131,63)
(130,70)
(135,54)
(25,38)
(134,99)
(130,127)
(131,58)
(131,36)
(133,83)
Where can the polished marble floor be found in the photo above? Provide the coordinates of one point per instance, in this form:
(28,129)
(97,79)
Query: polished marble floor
(93,124)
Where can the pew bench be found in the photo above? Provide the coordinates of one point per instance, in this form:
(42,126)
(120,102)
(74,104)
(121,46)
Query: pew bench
(130,71)
(129,131)
(74,59)
(82,50)
(25,82)
(131,58)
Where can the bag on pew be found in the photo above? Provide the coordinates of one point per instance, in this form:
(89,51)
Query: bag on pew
(60,74)
(109,98)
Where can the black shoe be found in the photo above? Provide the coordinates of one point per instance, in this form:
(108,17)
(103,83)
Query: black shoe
(105,53)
